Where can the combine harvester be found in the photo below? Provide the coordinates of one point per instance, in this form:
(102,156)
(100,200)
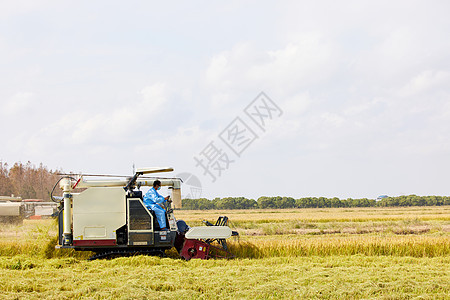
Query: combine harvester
(109,218)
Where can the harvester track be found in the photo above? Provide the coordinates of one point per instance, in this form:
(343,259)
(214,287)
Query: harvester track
(124,253)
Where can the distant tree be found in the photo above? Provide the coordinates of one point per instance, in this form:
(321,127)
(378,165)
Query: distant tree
(219,203)
(335,202)
(244,203)
(30,182)
(6,189)
(204,204)
(311,202)
(285,202)
(306,203)
(226,203)
(266,202)
(20,180)
(200,204)
(446,201)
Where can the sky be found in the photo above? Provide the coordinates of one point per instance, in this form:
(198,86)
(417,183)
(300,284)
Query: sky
(242,98)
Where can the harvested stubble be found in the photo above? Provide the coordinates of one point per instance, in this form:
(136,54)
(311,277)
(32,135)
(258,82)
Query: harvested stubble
(330,277)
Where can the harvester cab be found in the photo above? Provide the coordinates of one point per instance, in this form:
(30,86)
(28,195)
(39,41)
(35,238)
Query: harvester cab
(109,218)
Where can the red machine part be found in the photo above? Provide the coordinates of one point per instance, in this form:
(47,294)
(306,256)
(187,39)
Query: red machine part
(195,249)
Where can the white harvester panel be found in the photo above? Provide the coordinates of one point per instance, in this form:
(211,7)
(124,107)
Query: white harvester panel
(209,232)
(98,212)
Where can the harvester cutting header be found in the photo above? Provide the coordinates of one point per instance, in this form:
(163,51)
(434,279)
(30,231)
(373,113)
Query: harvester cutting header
(113,218)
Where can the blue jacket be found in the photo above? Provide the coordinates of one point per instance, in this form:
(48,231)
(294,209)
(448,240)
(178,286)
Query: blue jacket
(152,197)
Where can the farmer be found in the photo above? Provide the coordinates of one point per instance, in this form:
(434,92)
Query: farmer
(154,201)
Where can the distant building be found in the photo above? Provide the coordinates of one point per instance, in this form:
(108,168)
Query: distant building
(379,198)
(37,208)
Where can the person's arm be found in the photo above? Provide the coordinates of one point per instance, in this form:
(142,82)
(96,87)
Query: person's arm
(159,199)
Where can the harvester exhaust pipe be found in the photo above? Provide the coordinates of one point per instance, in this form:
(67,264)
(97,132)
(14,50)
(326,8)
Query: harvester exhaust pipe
(66,186)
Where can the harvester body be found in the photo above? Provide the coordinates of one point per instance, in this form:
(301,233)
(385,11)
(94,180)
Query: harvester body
(109,218)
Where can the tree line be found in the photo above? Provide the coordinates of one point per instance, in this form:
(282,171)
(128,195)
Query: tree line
(36,182)
(311,202)
(27,180)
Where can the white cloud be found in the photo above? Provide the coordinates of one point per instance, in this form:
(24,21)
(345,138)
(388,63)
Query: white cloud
(425,81)
(399,44)
(18,103)
(219,69)
(181,139)
(299,63)
(297,104)
(154,97)
(361,107)
(20,7)
(332,119)
(112,126)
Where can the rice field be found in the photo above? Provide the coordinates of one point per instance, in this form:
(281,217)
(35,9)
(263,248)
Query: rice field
(417,232)
(352,253)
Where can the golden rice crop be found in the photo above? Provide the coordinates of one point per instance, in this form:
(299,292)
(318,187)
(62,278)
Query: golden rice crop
(286,233)
(415,246)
